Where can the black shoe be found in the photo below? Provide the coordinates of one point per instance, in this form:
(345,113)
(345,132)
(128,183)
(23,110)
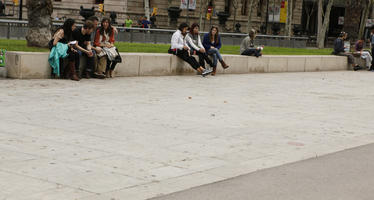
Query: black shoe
(357,67)
(206,72)
(86,75)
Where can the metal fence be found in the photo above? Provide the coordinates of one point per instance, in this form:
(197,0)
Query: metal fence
(14,29)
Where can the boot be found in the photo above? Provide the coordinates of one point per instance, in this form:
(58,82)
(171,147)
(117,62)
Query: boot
(111,73)
(224,65)
(73,74)
(214,71)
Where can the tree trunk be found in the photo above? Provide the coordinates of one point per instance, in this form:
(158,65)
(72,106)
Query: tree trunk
(40,22)
(201,14)
(249,24)
(322,34)
(319,15)
(146,9)
(352,18)
(289,18)
(364,17)
(235,5)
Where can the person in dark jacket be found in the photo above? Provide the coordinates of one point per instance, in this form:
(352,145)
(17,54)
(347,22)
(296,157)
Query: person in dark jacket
(339,50)
(212,44)
(64,35)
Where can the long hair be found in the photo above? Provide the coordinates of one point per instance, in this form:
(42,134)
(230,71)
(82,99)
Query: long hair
(193,26)
(110,29)
(68,33)
(215,39)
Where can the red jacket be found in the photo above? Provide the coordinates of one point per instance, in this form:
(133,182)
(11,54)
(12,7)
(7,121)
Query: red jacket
(97,38)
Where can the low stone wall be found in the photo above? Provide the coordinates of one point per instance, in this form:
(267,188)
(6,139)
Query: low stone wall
(26,65)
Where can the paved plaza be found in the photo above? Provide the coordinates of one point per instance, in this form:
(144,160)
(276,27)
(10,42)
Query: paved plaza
(143,137)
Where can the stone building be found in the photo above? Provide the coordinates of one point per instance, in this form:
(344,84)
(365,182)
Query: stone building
(237,10)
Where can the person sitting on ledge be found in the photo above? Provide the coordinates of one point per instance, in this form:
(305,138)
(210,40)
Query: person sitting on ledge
(247,48)
(64,35)
(212,43)
(179,48)
(197,48)
(359,47)
(339,50)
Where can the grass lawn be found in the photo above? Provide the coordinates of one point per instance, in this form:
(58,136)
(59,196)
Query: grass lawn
(20,45)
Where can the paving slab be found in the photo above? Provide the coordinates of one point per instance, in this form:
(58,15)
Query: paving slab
(142,137)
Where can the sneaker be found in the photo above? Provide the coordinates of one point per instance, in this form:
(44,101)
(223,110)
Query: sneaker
(99,76)
(206,72)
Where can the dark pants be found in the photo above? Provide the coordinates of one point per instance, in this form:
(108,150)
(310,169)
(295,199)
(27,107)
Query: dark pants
(372,51)
(183,54)
(252,52)
(90,62)
(203,57)
(348,55)
(110,65)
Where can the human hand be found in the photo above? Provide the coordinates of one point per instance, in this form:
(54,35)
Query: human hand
(185,47)
(89,53)
(202,50)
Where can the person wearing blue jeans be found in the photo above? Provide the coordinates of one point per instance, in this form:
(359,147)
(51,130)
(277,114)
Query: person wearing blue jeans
(212,44)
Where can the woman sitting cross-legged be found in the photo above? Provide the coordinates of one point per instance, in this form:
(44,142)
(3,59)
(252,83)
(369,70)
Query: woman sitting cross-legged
(107,54)
(247,48)
(179,48)
(197,48)
(212,44)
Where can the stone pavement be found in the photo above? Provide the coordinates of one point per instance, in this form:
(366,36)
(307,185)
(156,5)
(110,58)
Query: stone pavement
(138,138)
(346,175)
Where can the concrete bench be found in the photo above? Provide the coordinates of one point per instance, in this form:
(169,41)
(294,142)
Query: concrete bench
(29,65)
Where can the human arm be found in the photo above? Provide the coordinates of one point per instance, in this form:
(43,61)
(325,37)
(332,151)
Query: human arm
(191,44)
(58,36)
(219,45)
(206,42)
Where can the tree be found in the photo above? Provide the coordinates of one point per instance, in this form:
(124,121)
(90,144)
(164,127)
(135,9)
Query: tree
(289,18)
(309,12)
(40,22)
(352,18)
(322,33)
(249,24)
(235,4)
(364,17)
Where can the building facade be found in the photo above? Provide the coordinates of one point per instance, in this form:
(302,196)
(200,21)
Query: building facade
(262,15)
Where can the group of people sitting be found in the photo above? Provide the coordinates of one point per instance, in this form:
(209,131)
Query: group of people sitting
(340,49)
(95,44)
(186,42)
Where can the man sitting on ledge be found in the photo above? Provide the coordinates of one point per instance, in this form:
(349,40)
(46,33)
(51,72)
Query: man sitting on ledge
(339,50)
(179,48)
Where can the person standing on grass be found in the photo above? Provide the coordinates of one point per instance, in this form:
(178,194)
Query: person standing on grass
(104,39)
(197,48)
(359,47)
(179,48)
(212,44)
(64,35)
(247,48)
(339,50)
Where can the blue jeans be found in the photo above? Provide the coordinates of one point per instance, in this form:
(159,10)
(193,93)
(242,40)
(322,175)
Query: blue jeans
(215,55)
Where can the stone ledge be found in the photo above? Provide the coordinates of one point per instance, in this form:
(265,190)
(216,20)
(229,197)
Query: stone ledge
(30,65)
